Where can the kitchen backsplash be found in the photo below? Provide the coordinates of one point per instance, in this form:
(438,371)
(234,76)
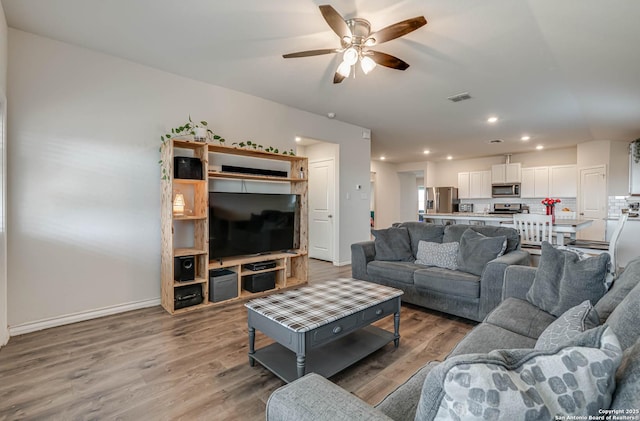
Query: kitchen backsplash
(615,204)
(535,205)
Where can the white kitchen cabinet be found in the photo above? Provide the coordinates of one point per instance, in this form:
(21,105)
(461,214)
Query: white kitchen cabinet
(535,182)
(463,185)
(634,174)
(474,185)
(506,173)
(563,181)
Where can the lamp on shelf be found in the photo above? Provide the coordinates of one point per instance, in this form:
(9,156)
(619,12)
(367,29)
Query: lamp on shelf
(178,204)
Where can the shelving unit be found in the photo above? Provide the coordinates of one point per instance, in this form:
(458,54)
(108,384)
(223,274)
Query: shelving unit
(291,268)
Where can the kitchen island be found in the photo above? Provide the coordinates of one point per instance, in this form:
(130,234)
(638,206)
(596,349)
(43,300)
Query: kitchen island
(560,226)
(467,218)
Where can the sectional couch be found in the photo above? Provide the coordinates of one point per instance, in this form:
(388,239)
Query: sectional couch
(457,292)
(515,326)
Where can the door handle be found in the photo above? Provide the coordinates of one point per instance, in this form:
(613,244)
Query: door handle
(581,213)
(329,216)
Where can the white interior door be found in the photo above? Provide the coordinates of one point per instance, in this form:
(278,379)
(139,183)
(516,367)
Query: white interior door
(321,209)
(592,201)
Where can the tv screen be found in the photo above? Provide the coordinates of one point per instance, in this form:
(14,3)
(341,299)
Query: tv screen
(252,223)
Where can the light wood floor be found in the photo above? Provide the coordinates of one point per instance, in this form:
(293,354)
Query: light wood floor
(148,365)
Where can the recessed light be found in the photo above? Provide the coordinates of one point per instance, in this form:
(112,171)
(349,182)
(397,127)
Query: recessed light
(539,147)
(382,158)
(426,152)
(298,139)
(449,157)
(492,119)
(331,115)
(525,138)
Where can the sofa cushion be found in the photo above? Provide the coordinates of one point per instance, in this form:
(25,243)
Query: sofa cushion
(421,231)
(487,337)
(401,404)
(572,323)
(454,233)
(476,250)
(563,280)
(521,317)
(442,255)
(525,384)
(627,394)
(392,244)
(625,319)
(624,283)
(448,281)
(395,271)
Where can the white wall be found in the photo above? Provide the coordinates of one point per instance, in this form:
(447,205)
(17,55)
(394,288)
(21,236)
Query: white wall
(4,332)
(85,183)
(387,195)
(408,197)
(619,170)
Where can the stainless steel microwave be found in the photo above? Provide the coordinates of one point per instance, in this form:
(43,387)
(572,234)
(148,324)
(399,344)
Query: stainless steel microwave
(505,190)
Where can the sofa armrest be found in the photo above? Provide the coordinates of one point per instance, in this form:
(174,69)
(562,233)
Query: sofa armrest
(492,280)
(314,398)
(517,281)
(361,254)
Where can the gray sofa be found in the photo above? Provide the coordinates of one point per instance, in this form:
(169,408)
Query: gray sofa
(450,291)
(514,324)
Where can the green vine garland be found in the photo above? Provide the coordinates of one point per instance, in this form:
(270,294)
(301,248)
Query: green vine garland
(635,151)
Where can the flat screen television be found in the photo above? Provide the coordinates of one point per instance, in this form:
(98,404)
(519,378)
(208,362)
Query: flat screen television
(252,223)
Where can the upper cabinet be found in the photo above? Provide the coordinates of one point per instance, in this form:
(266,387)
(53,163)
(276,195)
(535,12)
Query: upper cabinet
(563,181)
(474,185)
(506,173)
(554,181)
(634,174)
(535,182)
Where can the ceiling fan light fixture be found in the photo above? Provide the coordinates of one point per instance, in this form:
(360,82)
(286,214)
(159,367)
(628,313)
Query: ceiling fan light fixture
(344,69)
(370,42)
(367,64)
(350,56)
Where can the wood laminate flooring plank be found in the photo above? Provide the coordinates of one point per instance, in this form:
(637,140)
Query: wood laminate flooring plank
(149,365)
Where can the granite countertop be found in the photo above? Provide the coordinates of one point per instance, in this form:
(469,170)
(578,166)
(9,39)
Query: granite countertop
(467,215)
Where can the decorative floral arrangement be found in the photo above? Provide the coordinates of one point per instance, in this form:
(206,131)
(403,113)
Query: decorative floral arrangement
(550,202)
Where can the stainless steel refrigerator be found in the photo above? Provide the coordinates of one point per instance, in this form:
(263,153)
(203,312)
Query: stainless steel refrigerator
(441,199)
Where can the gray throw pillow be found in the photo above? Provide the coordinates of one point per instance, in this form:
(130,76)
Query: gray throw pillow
(476,250)
(392,244)
(521,384)
(440,255)
(572,323)
(563,281)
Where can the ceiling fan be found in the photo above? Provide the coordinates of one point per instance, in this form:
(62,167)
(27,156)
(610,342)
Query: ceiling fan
(356,38)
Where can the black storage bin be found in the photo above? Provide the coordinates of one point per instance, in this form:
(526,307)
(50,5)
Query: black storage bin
(187,167)
(223,285)
(186,296)
(259,282)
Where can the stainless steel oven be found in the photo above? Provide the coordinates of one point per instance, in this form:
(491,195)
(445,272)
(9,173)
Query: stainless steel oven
(505,190)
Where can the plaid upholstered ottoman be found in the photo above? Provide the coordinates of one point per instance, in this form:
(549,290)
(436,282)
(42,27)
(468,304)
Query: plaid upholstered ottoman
(322,328)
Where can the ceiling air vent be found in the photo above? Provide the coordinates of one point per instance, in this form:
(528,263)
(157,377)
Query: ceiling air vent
(496,141)
(459,97)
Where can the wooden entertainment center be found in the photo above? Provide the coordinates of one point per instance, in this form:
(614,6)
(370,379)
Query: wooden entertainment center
(291,267)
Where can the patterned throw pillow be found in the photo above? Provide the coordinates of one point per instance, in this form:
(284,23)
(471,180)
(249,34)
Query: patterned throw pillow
(442,255)
(572,323)
(519,384)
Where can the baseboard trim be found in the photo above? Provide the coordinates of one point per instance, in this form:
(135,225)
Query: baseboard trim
(348,262)
(29,327)
(4,337)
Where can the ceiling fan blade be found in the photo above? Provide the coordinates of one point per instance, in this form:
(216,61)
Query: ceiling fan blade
(337,78)
(387,60)
(311,53)
(335,21)
(397,30)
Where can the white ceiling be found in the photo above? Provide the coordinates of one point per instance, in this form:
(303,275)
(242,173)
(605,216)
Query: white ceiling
(563,72)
